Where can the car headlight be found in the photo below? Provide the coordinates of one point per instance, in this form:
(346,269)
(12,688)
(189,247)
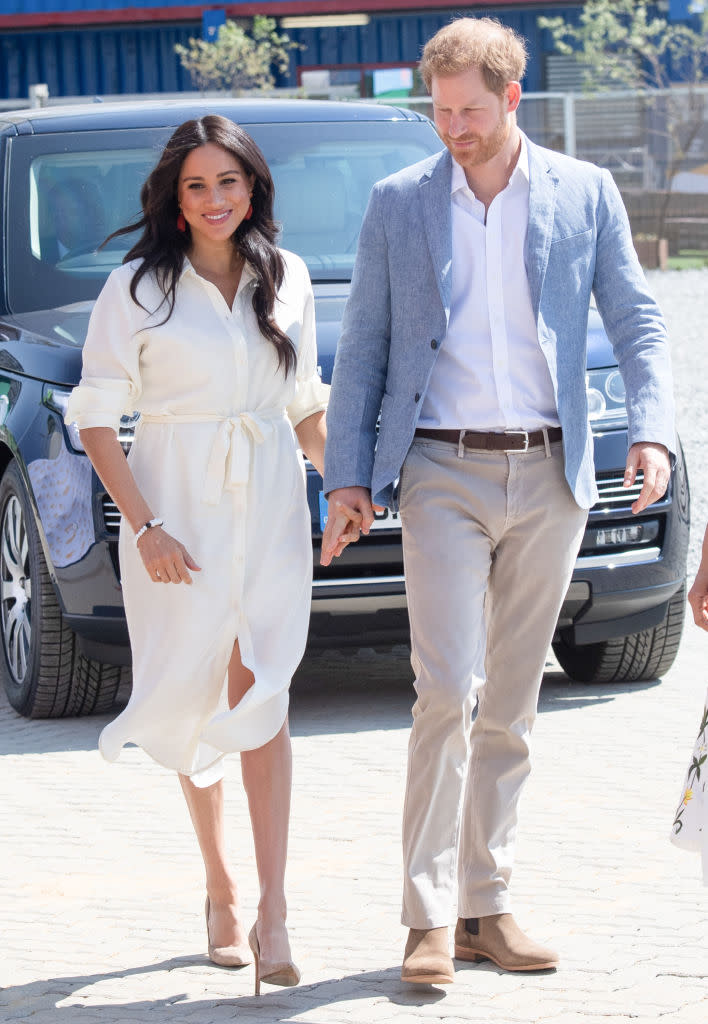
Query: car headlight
(605,391)
(58,400)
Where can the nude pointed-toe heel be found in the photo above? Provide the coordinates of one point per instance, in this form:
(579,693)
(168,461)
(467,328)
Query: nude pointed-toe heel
(282,972)
(226,956)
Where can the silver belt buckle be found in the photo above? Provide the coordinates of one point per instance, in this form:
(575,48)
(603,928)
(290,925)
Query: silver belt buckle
(518,433)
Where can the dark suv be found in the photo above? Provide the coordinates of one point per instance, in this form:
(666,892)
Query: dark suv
(69,177)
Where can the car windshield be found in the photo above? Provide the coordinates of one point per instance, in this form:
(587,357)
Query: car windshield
(71,190)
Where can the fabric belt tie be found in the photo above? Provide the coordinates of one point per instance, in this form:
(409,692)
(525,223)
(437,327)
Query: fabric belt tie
(228,466)
(494,441)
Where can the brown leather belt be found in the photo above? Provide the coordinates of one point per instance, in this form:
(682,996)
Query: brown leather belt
(493,441)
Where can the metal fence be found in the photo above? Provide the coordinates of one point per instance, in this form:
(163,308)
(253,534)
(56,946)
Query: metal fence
(623,131)
(626,132)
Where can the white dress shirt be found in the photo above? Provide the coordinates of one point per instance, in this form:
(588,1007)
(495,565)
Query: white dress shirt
(490,373)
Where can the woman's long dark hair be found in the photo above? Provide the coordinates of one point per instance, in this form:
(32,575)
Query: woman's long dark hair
(162,247)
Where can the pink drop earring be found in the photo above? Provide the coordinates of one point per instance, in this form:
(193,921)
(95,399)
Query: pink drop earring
(181,222)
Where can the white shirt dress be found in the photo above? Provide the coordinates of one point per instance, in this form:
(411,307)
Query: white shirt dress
(216,457)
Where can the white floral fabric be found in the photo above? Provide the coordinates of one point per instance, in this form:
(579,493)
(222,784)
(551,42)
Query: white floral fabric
(216,457)
(690,827)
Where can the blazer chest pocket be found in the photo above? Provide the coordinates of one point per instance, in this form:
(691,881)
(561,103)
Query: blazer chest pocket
(573,239)
(573,255)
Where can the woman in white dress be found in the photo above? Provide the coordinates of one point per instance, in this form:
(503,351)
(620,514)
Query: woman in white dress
(208,331)
(690,827)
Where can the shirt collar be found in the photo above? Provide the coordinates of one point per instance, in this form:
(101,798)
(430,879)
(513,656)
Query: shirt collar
(247,274)
(187,268)
(459,181)
(522,164)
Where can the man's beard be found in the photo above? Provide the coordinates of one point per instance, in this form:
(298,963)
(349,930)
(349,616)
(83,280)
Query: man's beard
(487,145)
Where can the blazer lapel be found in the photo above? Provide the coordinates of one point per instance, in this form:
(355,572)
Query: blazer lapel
(543,184)
(437,218)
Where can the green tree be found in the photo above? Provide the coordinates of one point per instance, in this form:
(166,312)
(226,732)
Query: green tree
(237,60)
(625,44)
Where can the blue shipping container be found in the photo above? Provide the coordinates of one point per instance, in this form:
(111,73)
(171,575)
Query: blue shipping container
(61,6)
(140,58)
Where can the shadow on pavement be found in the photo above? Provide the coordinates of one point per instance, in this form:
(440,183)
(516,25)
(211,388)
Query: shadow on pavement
(333,692)
(558,693)
(20,735)
(43,996)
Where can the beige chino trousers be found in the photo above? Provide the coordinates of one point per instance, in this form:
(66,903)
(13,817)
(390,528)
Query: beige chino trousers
(489,543)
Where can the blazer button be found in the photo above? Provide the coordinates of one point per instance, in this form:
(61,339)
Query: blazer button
(417,397)
(433,343)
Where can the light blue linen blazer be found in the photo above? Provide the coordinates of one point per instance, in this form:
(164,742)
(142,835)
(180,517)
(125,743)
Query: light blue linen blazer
(578,242)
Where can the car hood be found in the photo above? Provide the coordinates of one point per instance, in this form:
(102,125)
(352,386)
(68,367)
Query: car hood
(47,344)
(330,299)
(600,352)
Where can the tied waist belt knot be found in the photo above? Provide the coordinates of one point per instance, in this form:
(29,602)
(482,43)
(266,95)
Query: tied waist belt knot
(494,441)
(228,466)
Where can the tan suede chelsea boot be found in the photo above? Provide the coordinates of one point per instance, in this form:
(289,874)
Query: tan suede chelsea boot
(499,938)
(427,959)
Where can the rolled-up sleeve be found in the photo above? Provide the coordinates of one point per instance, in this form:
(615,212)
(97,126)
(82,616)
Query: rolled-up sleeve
(110,378)
(311,395)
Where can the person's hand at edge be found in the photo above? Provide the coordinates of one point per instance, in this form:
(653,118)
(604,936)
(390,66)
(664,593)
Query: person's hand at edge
(349,512)
(698,594)
(653,460)
(165,559)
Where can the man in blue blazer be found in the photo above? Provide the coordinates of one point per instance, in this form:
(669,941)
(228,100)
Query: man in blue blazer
(465,333)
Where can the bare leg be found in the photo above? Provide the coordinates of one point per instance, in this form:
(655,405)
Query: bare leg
(206,809)
(267,777)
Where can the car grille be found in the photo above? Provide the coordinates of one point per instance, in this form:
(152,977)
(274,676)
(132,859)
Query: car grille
(613,495)
(111,516)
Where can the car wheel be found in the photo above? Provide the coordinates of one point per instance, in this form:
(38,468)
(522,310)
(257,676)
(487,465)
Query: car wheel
(648,654)
(44,672)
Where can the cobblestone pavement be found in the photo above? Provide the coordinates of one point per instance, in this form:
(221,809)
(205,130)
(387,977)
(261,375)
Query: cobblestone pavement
(101,887)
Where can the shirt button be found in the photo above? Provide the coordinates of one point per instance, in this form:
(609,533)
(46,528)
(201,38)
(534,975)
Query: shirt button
(417,397)
(433,344)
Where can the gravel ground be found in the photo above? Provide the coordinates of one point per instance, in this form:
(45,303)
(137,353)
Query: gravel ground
(683,298)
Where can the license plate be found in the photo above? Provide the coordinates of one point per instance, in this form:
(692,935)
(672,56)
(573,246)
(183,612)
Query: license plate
(386,520)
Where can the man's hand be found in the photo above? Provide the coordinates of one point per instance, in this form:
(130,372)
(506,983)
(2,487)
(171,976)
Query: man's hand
(698,598)
(653,460)
(349,512)
(698,594)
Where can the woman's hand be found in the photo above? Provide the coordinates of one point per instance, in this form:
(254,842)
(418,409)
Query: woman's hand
(345,529)
(350,514)
(165,559)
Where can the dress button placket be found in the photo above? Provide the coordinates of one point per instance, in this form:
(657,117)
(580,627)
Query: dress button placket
(240,494)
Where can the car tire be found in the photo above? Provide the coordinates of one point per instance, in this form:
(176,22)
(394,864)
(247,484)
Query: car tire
(43,670)
(648,654)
